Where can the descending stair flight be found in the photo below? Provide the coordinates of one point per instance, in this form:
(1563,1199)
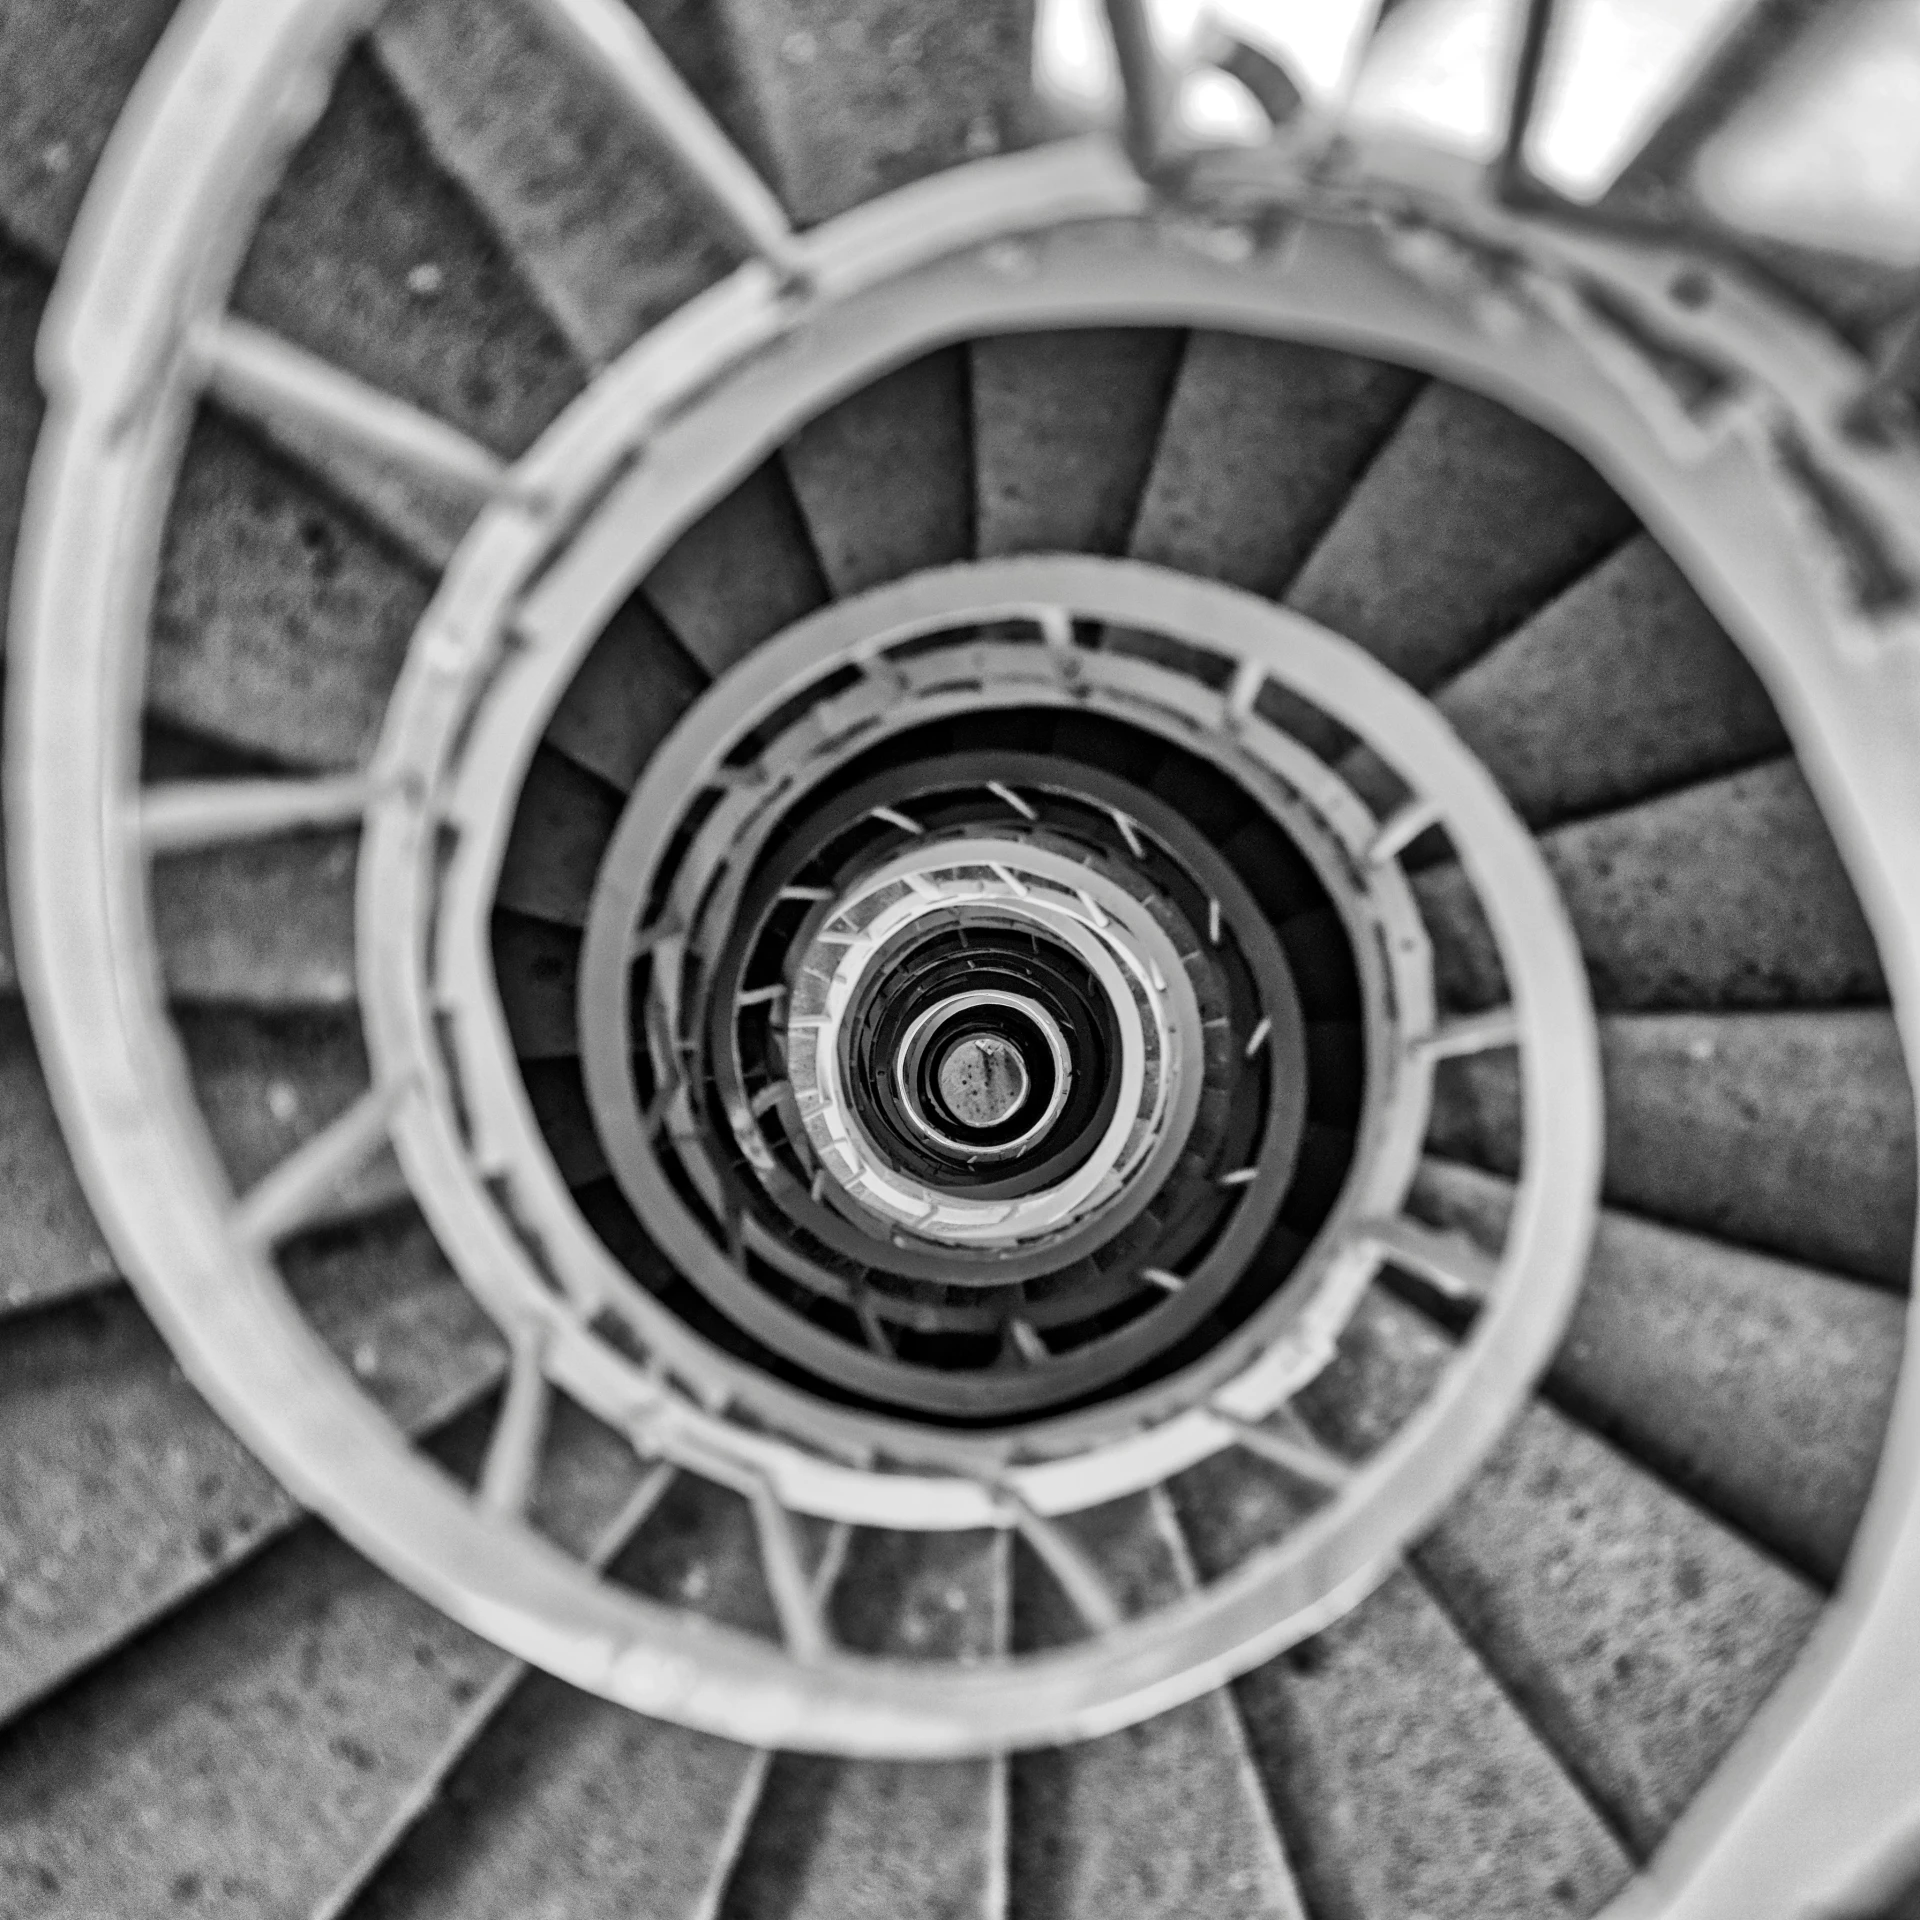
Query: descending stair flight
(958,965)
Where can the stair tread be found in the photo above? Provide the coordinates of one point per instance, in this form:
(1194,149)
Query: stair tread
(1166,1820)
(647,1808)
(1404,1777)
(1262,442)
(1466,522)
(371,257)
(604,230)
(851,98)
(1637,1633)
(258,1750)
(837,1839)
(1790,1132)
(885,478)
(1725,894)
(1623,686)
(247,1752)
(537,963)
(1759,1387)
(1064,430)
(631,689)
(562,822)
(263,1085)
(557,1091)
(268,1082)
(65,74)
(281,622)
(125,1495)
(740,573)
(268,924)
(49,1243)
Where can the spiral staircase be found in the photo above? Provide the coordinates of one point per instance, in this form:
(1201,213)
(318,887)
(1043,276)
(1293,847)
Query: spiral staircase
(514,614)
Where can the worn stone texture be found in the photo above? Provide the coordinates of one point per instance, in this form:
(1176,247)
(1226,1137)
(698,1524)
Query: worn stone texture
(281,622)
(742,571)
(606,232)
(855,97)
(1064,430)
(632,687)
(537,963)
(49,1244)
(1636,1633)
(1621,687)
(300,1706)
(267,924)
(372,257)
(1790,1132)
(1262,441)
(1406,1779)
(1167,1820)
(643,1811)
(885,477)
(1728,894)
(124,1494)
(561,827)
(1759,1387)
(23,294)
(65,72)
(1413,1784)
(1466,521)
(267,1082)
(870,1839)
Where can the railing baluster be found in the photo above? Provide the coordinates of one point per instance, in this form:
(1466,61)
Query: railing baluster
(513,1454)
(182,816)
(1148,81)
(624,55)
(292,1195)
(802,1619)
(1536,28)
(1070,1564)
(298,398)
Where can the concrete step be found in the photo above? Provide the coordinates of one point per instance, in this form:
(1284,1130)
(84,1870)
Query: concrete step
(267,923)
(250,1752)
(603,230)
(282,619)
(1064,430)
(885,478)
(870,1839)
(1759,1387)
(740,573)
(1787,1132)
(1729,894)
(561,826)
(851,98)
(1467,521)
(537,963)
(1263,441)
(125,1496)
(649,1813)
(1167,1820)
(630,690)
(1622,687)
(1404,1778)
(1636,1633)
